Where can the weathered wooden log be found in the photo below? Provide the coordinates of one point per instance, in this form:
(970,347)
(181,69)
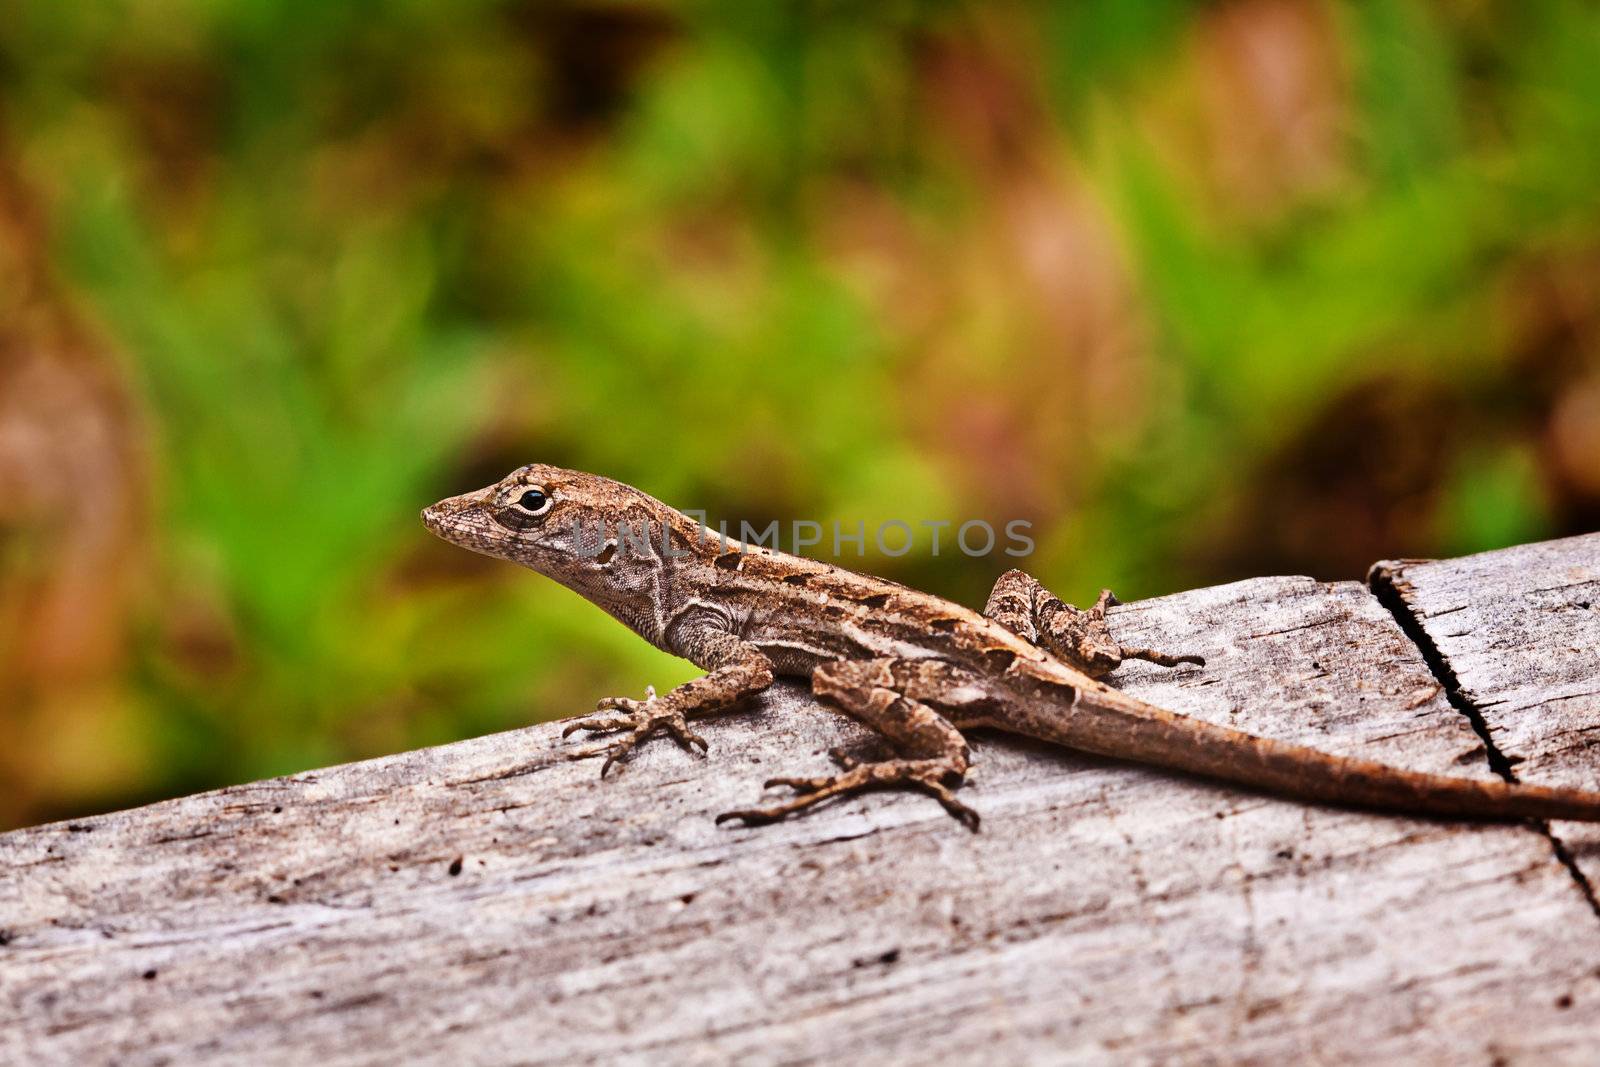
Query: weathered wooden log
(493,901)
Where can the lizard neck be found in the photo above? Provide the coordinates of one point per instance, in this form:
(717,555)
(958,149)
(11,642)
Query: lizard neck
(652,562)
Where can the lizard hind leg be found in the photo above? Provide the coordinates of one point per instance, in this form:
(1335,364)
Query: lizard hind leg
(879,692)
(1082,639)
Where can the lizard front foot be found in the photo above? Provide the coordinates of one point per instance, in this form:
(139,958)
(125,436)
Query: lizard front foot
(642,719)
(930,776)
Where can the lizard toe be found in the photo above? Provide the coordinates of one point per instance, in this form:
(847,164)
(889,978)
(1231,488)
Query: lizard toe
(596,724)
(803,785)
(843,759)
(687,739)
(628,705)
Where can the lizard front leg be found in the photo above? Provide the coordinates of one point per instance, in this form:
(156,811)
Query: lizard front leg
(737,670)
(1022,604)
(884,694)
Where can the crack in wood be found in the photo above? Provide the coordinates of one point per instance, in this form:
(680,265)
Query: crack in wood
(1389,590)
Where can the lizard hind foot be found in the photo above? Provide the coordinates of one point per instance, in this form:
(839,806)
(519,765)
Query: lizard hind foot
(638,721)
(929,776)
(1081,639)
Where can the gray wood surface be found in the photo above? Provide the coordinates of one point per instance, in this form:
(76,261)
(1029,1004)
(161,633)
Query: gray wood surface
(489,901)
(1518,634)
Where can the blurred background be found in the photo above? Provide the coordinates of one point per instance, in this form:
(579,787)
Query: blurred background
(1202,290)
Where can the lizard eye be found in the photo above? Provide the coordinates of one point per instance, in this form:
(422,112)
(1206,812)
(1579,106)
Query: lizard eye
(523,512)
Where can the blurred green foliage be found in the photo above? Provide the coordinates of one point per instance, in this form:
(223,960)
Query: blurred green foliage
(1201,290)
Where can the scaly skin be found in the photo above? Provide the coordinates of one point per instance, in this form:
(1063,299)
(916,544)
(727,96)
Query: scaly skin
(916,668)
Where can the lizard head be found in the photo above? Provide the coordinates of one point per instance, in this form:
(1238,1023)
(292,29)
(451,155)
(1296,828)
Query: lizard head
(596,536)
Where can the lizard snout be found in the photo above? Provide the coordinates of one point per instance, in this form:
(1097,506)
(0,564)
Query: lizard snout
(444,516)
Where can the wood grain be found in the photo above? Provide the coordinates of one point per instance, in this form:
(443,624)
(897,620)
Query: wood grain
(489,901)
(1519,630)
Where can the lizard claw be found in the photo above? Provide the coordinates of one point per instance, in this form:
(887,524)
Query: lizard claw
(927,775)
(640,720)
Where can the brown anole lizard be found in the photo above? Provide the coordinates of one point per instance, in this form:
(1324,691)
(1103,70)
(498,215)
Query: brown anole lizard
(915,668)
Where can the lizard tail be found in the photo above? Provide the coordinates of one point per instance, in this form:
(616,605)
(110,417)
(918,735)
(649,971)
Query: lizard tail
(1125,728)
